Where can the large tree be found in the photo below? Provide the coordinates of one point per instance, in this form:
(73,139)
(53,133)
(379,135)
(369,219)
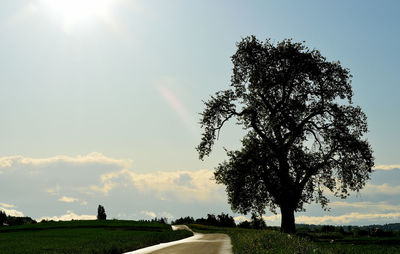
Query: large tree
(303,136)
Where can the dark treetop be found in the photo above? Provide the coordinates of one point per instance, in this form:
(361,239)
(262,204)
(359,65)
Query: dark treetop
(304,135)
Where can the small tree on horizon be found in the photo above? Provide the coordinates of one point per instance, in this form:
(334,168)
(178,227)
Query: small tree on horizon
(303,135)
(101,213)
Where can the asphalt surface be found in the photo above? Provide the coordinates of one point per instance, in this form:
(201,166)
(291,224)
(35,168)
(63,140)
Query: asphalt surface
(197,244)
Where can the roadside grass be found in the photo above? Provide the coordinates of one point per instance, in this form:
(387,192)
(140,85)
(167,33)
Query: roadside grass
(337,243)
(251,241)
(111,236)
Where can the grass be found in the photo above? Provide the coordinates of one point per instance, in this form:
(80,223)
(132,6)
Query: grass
(356,244)
(250,241)
(113,236)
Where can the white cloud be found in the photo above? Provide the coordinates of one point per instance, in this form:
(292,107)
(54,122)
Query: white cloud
(68,199)
(149,213)
(273,218)
(6,162)
(12,212)
(386,189)
(72,178)
(108,186)
(7,208)
(9,161)
(387,167)
(70,215)
(54,191)
(6,205)
(240,218)
(185,185)
(381,206)
(347,218)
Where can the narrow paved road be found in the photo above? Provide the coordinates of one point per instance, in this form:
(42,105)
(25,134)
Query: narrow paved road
(197,244)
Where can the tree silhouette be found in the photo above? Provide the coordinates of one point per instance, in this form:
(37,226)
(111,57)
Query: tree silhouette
(101,213)
(304,135)
(257,222)
(3,217)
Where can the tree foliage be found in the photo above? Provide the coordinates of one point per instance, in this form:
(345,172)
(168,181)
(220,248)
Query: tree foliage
(183,220)
(3,217)
(221,220)
(304,135)
(257,221)
(101,213)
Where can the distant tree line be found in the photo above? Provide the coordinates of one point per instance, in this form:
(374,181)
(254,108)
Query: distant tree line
(7,220)
(223,220)
(256,222)
(162,220)
(387,230)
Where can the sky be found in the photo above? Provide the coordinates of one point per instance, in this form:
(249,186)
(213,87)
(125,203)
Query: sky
(100,102)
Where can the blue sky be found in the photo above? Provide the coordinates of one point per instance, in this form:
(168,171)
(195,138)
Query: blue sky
(99,101)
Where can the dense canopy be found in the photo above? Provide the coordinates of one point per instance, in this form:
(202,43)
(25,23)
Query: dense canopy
(304,135)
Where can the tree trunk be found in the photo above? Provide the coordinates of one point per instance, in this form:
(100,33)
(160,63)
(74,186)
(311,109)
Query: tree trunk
(287,222)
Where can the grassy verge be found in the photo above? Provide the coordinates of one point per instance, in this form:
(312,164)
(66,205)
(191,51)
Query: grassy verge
(85,237)
(250,241)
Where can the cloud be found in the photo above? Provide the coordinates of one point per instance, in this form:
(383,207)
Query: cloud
(7,208)
(70,215)
(240,218)
(185,185)
(273,218)
(387,167)
(86,180)
(381,206)
(54,191)
(347,218)
(40,180)
(12,212)
(149,213)
(6,205)
(96,158)
(105,189)
(6,162)
(68,199)
(385,188)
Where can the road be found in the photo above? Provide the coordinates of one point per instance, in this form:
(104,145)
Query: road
(197,244)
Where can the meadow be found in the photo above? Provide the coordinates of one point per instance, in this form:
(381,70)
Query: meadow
(252,241)
(111,236)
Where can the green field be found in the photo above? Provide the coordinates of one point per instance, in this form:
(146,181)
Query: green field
(111,236)
(251,241)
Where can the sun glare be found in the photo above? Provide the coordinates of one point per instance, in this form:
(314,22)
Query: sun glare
(78,12)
